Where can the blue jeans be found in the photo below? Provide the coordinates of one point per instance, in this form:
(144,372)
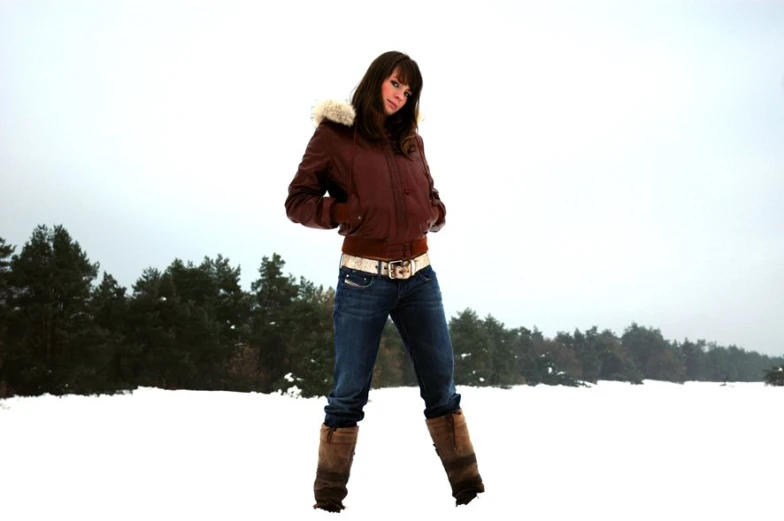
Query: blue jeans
(363,302)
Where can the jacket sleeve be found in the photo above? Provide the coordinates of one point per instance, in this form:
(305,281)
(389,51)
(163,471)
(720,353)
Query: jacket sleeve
(306,203)
(435,199)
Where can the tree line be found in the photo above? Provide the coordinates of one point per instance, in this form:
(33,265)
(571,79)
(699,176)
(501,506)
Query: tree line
(192,326)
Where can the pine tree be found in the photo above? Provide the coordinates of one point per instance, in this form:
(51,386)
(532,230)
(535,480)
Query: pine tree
(151,328)
(310,358)
(586,348)
(522,348)
(470,345)
(694,359)
(616,363)
(656,358)
(109,311)
(212,305)
(503,369)
(273,319)
(50,285)
(556,363)
(231,305)
(775,376)
(6,251)
(188,328)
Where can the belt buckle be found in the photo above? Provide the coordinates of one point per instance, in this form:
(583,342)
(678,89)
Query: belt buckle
(390,267)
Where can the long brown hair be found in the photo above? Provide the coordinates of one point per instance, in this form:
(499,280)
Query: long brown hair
(371,120)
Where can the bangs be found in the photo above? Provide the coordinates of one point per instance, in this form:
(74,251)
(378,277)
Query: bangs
(408,73)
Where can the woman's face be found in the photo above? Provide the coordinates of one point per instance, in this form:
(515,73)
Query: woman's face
(394,94)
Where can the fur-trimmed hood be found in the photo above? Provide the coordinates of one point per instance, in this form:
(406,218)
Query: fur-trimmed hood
(337,111)
(340,112)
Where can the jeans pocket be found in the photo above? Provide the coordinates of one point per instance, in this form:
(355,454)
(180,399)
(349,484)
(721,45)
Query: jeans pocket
(356,279)
(427,273)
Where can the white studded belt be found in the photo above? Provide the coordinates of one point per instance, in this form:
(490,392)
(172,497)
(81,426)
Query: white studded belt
(399,269)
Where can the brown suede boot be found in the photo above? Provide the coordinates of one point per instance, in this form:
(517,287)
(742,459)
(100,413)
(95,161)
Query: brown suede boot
(453,445)
(336,454)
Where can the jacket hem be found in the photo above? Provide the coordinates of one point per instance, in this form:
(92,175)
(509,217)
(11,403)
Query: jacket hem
(382,250)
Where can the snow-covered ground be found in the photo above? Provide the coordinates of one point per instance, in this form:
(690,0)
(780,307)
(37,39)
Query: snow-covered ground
(698,451)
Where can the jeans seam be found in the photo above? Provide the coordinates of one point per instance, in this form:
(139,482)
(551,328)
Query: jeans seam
(410,350)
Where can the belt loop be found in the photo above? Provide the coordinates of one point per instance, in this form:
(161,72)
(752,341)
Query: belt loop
(378,267)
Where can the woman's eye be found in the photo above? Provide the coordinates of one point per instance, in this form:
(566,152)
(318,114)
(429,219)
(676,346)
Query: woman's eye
(408,94)
(395,84)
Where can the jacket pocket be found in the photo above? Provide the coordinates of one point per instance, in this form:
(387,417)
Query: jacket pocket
(356,215)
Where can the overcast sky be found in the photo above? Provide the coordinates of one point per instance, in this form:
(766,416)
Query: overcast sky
(602,163)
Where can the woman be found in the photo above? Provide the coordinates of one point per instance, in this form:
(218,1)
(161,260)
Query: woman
(365,173)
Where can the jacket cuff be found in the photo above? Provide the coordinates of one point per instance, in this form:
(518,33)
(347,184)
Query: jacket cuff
(338,212)
(439,214)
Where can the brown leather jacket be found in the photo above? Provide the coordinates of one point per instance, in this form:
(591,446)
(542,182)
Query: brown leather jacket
(383,203)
